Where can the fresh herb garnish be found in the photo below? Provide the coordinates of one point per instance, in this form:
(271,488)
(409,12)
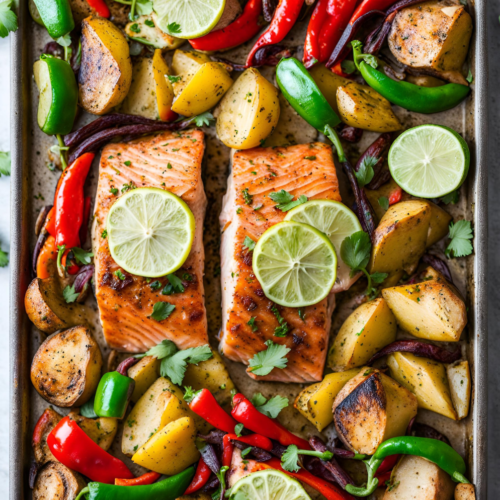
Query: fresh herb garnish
(460,244)
(365,173)
(119,274)
(4,160)
(205,119)
(174,79)
(69,294)
(252,325)
(162,310)
(383,201)
(8,19)
(284,199)
(270,407)
(249,243)
(173,286)
(273,357)
(247,197)
(238,428)
(174,28)
(155,285)
(82,256)
(290,459)
(450,198)
(282,330)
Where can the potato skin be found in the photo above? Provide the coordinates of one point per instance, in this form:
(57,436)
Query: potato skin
(464,491)
(101,430)
(66,368)
(328,82)
(56,481)
(460,386)
(144,373)
(47,421)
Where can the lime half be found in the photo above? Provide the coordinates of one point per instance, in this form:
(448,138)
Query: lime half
(150,232)
(335,220)
(188,18)
(295,264)
(268,484)
(429,161)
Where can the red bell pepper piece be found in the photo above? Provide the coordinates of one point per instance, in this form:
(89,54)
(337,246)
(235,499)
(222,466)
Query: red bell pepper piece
(246,413)
(100,8)
(395,196)
(285,15)
(205,405)
(48,252)
(145,479)
(227,450)
(74,449)
(200,478)
(369,5)
(50,222)
(69,202)
(256,440)
(72,267)
(382,478)
(337,69)
(238,32)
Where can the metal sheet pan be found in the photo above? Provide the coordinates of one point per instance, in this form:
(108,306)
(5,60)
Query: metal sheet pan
(29,173)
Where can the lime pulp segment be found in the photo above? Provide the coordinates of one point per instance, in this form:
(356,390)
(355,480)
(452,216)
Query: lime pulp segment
(150,232)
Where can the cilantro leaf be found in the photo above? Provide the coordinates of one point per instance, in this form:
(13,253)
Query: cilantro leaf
(258,399)
(174,28)
(82,256)
(282,329)
(87,410)
(246,452)
(175,79)
(284,200)
(450,198)
(247,196)
(155,285)
(470,78)
(4,260)
(119,274)
(65,40)
(348,67)
(162,310)
(271,407)
(252,325)
(4,163)
(69,294)
(173,286)
(378,277)
(8,19)
(206,119)
(273,357)
(383,201)
(162,350)
(290,459)
(365,173)
(249,243)
(355,251)
(174,367)
(238,428)
(144,7)
(460,234)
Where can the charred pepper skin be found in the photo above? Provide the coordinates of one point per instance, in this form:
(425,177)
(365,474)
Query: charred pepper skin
(113,395)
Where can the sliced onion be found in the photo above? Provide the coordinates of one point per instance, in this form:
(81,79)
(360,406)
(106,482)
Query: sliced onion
(83,277)
(124,366)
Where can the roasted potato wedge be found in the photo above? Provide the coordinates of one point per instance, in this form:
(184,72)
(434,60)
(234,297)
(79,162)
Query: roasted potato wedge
(185,65)
(67,367)
(369,328)
(101,430)
(371,408)
(328,82)
(401,237)
(460,387)
(362,107)
(424,80)
(47,421)
(80,9)
(164,89)
(415,478)
(144,373)
(145,30)
(106,70)
(464,491)
(56,481)
(171,449)
(249,112)
(431,310)
(426,379)
(47,309)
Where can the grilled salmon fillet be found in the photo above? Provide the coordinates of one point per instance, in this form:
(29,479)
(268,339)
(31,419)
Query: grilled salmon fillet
(170,161)
(306,169)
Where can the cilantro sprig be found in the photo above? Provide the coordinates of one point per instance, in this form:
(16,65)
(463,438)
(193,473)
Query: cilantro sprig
(365,173)
(282,329)
(69,294)
(273,357)
(284,199)
(290,459)
(8,19)
(4,162)
(249,243)
(461,236)
(269,407)
(162,310)
(82,256)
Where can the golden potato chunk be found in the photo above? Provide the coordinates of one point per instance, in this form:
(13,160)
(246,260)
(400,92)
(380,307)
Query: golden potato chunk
(464,491)
(101,430)
(460,387)
(328,82)
(144,373)
(56,481)
(146,28)
(369,328)
(185,65)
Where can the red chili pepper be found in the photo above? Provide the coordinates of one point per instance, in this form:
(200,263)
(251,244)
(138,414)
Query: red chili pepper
(337,69)
(227,450)
(69,202)
(200,478)
(100,8)
(382,478)
(369,5)
(387,464)
(72,268)
(238,32)
(145,479)
(85,223)
(256,440)
(50,222)
(205,405)
(328,490)
(246,413)
(395,196)
(74,449)
(48,253)
(284,18)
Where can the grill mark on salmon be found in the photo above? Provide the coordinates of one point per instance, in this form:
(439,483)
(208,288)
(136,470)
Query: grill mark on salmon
(170,161)
(249,211)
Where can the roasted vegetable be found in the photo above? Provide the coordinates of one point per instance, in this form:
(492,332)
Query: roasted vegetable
(66,368)
(171,449)
(460,387)
(101,430)
(426,379)
(144,373)
(56,481)
(249,111)
(367,330)
(106,70)
(185,65)
(328,82)
(464,491)
(430,310)
(47,421)
(145,30)
(383,406)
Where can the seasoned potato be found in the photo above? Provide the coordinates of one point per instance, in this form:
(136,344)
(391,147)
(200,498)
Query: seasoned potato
(415,478)
(433,35)
(80,9)
(464,491)
(47,421)
(145,29)
(460,387)
(328,82)
(67,367)
(426,379)
(56,481)
(185,65)
(431,310)
(315,402)
(163,87)
(249,112)
(101,430)
(171,449)
(369,328)
(106,70)
(371,408)
(362,107)
(144,373)
(161,403)
(424,80)
(47,309)
(401,237)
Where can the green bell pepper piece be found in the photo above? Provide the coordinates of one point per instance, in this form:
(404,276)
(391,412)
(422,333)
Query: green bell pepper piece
(168,489)
(56,16)
(58,100)
(409,96)
(113,394)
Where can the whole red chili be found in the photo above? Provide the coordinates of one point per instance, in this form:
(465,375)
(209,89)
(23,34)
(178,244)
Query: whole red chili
(227,450)
(205,405)
(256,440)
(200,478)
(145,479)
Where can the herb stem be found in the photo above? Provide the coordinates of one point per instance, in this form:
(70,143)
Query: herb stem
(61,146)
(332,135)
(367,274)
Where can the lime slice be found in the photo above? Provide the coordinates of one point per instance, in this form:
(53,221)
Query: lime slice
(188,18)
(429,161)
(295,264)
(150,232)
(332,218)
(268,484)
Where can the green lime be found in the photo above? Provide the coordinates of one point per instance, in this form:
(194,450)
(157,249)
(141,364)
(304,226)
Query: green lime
(150,232)
(268,484)
(429,161)
(332,218)
(188,18)
(295,264)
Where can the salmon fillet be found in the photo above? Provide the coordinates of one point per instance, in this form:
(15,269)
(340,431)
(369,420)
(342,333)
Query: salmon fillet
(306,169)
(171,161)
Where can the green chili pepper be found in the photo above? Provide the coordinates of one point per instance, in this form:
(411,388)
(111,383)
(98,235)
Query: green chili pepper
(56,16)
(113,394)
(168,489)
(35,15)
(408,95)
(442,454)
(58,100)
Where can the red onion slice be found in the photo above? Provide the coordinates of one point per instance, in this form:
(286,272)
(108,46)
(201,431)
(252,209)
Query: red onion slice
(124,366)
(83,277)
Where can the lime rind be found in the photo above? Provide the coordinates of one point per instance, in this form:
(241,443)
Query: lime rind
(429,161)
(295,264)
(150,232)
